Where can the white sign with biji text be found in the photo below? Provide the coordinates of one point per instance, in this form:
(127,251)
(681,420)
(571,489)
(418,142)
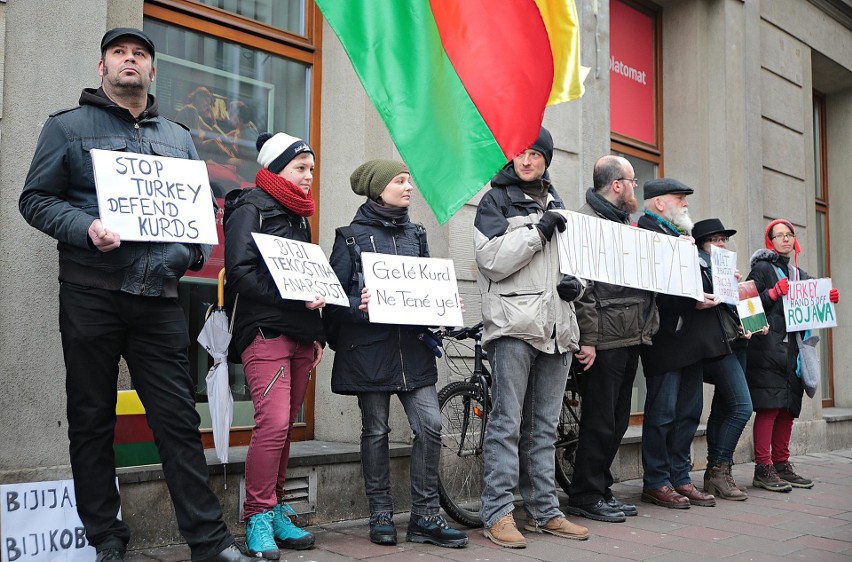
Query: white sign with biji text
(618,254)
(807,306)
(300,270)
(154,198)
(723,268)
(39,522)
(409,290)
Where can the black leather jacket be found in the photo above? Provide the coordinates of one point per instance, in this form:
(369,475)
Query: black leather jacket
(59,196)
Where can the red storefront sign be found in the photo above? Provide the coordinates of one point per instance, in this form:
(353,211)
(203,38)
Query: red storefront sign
(632,97)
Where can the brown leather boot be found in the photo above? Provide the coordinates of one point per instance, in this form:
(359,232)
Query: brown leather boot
(696,496)
(719,482)
(505,533)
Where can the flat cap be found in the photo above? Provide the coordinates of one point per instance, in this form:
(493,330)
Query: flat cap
(113,34)
(664,186)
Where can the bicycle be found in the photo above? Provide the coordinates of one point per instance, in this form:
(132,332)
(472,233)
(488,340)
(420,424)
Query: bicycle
(465,406)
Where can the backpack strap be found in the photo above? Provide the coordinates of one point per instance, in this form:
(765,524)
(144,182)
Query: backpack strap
(348,234)
(421,239)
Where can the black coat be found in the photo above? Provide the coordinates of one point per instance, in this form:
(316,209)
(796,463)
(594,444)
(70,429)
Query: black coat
(686,335)
(771,366)
(377,357)
(260,303)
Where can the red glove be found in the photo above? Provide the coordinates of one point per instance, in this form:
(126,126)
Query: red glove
(780,289)
(834,296)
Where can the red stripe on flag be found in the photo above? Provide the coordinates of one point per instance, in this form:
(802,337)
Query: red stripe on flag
(132,429)
(501,52)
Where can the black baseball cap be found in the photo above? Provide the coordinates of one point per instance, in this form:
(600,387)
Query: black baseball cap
(113,34)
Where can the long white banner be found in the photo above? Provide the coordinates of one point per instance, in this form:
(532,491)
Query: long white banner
(619,254)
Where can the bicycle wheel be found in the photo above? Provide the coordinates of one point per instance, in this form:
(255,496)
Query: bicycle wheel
(567,436)
(461,463)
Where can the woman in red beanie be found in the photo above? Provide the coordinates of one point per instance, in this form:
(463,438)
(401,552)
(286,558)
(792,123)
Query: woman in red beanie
(776,389)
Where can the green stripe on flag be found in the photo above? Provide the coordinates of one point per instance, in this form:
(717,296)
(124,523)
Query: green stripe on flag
(136,454)
(397,54)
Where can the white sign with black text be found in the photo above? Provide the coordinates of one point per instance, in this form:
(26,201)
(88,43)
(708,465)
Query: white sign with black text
(618,254)
(300,270)
(154,198)
(723,267)
(409,290)
(39,521)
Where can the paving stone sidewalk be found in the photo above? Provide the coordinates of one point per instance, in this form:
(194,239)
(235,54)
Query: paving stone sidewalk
(813,525)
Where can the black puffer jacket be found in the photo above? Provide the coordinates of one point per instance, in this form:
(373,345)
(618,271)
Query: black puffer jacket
(377,357)
(59,196)
(260,303)
(687,335)
(771,366)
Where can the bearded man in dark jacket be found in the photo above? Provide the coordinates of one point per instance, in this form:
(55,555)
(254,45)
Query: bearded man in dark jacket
(119,298)
(614,321)
(688,335)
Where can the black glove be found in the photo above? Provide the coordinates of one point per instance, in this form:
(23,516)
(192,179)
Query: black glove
(550,221)
(569,288)
(432,342)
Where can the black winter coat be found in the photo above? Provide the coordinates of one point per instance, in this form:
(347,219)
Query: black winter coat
(377,357)
(260,303)
(772,359)
(686,335)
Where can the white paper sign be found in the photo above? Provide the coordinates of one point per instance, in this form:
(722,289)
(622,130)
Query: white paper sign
(154,198)
(409,290)
(628,256)
(806,305)
(724,266)
(300,270)
(39,521)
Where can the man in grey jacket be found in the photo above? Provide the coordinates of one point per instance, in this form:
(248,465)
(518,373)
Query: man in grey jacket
(530,333)
(119,298)
(614,321)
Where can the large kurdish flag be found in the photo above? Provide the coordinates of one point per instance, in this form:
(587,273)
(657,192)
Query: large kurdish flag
(134,442)
(460,84)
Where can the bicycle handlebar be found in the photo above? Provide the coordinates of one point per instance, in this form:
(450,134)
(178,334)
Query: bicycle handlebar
(473,332)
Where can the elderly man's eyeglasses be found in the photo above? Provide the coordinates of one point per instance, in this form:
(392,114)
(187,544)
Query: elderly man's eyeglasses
(634,181)
(785,236)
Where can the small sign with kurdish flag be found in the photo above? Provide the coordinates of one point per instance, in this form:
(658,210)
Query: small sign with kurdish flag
(465,82)
(750,309)
(134,441)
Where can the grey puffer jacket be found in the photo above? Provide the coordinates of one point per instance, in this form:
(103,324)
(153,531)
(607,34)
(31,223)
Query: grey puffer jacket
(377,357)
(59,196)
(518,272)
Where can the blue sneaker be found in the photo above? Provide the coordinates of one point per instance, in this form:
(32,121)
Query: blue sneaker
(259,541)
(382,529)
(433,529)
(288,535)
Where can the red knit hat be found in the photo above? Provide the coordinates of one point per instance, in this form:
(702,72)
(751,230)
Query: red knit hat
(768,241)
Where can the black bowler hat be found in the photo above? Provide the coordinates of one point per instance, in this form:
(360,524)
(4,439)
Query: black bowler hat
(113,34)
(664,186)
(709,227)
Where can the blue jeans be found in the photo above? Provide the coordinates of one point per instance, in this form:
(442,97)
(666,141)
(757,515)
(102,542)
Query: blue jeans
(731,407)
(424,416)
(672,412)
(519,440)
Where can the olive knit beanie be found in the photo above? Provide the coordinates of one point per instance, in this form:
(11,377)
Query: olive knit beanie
(371,178)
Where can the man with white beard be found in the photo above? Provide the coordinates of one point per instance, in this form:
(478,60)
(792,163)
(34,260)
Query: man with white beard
(673,366)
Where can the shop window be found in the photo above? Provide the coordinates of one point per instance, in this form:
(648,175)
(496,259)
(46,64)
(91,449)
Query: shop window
(635,109)
(822,240)
(229,79)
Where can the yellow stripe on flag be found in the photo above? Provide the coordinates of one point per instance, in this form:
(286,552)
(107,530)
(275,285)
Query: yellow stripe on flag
(128,403)
(563,29)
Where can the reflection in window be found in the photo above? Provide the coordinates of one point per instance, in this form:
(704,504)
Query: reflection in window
(288,15)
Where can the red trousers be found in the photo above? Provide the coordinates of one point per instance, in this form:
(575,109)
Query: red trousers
(772,429)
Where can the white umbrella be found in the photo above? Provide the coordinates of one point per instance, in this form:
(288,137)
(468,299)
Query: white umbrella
(215,337)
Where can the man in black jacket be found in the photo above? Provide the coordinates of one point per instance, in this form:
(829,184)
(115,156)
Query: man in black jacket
(614,321)
(673,365)
(120,299)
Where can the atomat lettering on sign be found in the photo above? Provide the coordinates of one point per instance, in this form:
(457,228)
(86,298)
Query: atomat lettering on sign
(300,270)
(410,290)
(154,198)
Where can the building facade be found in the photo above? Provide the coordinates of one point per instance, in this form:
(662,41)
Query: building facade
(748,101)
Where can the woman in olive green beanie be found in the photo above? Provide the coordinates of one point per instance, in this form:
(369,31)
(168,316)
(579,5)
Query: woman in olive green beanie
(370,178)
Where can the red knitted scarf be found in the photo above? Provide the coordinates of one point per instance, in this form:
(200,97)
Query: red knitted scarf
(286,192)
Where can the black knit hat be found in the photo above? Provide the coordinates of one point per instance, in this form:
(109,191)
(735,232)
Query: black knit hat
(544,145)
(114,34)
